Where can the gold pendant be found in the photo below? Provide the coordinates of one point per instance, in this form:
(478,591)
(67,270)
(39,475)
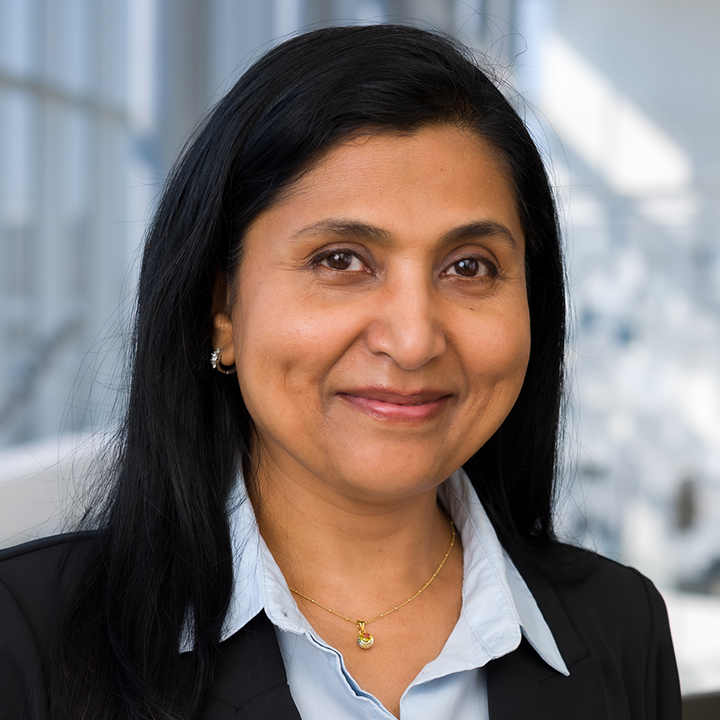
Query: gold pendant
(365,640)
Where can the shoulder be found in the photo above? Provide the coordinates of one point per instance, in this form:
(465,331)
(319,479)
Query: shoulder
(605,589)
(38,572)
(597,608)
(582,570)
(36,582)
(38,553)
(595,593)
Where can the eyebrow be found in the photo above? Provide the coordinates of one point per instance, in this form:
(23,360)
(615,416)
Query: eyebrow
(480,229)
(352,229)
(345,229)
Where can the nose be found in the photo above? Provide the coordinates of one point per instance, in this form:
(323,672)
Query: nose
(407,325)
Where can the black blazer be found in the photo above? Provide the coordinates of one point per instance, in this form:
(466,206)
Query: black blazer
(611,629)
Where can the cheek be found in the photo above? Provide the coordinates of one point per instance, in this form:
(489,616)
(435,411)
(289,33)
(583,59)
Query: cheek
(496,357)
(287,347)
(504,345)
(516,343)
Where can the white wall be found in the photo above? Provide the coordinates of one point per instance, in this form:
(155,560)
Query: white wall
(40,486)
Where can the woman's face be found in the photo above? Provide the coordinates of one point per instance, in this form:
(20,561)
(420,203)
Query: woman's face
(380,321)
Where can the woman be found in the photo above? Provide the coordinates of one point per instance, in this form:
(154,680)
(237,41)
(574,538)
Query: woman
(342,425)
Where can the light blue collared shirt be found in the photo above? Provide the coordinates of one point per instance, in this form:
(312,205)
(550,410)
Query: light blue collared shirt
(497,610)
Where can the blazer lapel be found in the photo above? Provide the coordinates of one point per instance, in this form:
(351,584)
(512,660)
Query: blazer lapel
(250,680)
(521,685)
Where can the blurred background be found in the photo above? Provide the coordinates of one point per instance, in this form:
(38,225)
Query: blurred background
(97,97)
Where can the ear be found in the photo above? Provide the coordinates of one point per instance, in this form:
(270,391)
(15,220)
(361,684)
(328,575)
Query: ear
(222,332)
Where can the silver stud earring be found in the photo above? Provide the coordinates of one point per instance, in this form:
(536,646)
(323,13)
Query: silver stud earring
(217,365)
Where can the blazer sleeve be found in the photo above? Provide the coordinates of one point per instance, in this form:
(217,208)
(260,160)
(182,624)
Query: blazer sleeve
(662,700)
(22,691)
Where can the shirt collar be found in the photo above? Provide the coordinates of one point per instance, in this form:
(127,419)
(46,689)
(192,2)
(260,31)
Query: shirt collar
(498,606)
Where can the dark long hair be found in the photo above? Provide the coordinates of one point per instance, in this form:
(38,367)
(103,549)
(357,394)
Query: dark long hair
(163,556)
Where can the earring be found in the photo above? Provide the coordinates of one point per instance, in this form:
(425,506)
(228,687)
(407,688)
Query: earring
(217,365)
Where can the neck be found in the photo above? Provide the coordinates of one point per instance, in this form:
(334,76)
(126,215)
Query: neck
(356,555)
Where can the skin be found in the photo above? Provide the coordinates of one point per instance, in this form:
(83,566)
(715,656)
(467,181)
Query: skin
(380,328)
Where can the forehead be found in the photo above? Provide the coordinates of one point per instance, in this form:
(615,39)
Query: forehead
(377,151)
(438,175)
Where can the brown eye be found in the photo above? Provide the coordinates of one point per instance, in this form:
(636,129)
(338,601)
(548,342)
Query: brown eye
(341,261)
(468,267)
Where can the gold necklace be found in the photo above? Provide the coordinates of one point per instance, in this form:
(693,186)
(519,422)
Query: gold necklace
(364,639)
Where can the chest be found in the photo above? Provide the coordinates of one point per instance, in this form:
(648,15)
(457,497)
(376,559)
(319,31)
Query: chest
(404,642)
(322,687)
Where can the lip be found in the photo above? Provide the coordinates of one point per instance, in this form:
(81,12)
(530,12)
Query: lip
(386,404)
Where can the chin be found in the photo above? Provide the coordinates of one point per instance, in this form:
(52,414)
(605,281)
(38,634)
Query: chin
(389,475)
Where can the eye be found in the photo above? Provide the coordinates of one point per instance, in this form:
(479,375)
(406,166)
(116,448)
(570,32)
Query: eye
(472,268)
(341,260)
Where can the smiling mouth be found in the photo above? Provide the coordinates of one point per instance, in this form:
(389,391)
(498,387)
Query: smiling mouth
(390,405)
